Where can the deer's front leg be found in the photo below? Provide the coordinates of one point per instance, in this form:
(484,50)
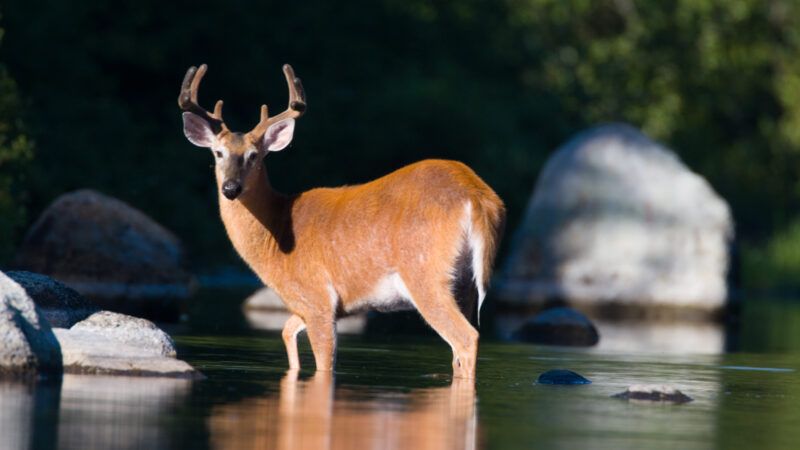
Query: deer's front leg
(321,331)
(292,327)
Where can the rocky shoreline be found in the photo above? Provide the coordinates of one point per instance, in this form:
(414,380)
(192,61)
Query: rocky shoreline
(47,327)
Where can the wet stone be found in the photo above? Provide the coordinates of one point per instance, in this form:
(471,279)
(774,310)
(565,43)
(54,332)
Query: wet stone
(559,326)
(562,376)
(27,344)
(653,393)
(60,305)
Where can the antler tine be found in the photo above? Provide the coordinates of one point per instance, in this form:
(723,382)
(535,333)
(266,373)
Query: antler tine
(187,100)
(297,96)
(296,108)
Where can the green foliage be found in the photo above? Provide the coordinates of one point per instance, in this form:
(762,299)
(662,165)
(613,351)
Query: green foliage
(769,326)
(774,264)
(498,85)
(15,154)
(716,79)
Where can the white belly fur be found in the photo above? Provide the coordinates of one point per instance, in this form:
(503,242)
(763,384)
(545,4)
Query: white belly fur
(389,294)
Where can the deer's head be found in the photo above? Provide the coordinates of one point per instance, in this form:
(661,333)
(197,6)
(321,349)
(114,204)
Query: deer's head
(237,154)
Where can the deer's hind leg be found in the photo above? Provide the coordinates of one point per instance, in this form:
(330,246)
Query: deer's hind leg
(437,305)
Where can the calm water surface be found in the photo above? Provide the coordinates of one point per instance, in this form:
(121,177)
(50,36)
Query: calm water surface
(395,392)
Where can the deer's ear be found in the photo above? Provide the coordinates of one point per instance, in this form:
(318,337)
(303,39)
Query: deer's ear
(197,130)
(279,135)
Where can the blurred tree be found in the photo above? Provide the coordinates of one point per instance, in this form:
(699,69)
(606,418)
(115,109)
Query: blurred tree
(15,154)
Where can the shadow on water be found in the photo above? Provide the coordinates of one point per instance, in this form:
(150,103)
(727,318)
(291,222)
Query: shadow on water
(29,413)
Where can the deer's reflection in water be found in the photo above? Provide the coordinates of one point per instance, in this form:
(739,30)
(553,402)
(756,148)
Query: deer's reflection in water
(312,414)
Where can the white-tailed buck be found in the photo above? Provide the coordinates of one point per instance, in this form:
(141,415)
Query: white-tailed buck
(422,237)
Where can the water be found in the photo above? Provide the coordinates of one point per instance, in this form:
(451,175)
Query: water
(395,391)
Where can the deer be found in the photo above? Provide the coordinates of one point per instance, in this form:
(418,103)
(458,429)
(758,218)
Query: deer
(423,237)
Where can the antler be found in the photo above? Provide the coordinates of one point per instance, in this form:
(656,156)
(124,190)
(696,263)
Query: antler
(187,100)
(297,106)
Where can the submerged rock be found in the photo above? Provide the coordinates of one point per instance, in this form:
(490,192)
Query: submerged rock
(27,343)
(108,251)
(562,376)
(60,305)
(559,326)
(265,299)
(654,393)
(617,219)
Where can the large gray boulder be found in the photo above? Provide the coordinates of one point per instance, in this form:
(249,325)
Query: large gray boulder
(107,250)
(27,343)
(617,219)
(559,326)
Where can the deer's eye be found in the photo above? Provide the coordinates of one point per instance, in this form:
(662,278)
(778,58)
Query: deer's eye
(251,158)
(218,153)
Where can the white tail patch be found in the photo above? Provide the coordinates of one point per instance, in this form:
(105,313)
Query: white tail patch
(476,245)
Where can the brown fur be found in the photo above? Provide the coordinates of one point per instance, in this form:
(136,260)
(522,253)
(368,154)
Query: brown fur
(407,222)
(326,251)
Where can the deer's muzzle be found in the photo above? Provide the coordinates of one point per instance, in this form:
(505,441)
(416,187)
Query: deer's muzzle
(231,189)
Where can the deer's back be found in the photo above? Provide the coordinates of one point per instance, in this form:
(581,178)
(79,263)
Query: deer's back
(410,219)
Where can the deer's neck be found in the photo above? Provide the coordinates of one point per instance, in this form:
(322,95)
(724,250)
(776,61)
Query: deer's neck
(258,224)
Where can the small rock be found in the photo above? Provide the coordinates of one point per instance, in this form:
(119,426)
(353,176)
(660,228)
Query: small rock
(140,333)
(59,304)
(559,326)
(86,352)
(111,343)
(27,343)
(561,376)
(654,393)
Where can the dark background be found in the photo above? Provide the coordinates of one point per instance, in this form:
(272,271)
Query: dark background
(88,99)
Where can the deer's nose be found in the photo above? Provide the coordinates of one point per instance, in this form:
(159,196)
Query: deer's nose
(231,189)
